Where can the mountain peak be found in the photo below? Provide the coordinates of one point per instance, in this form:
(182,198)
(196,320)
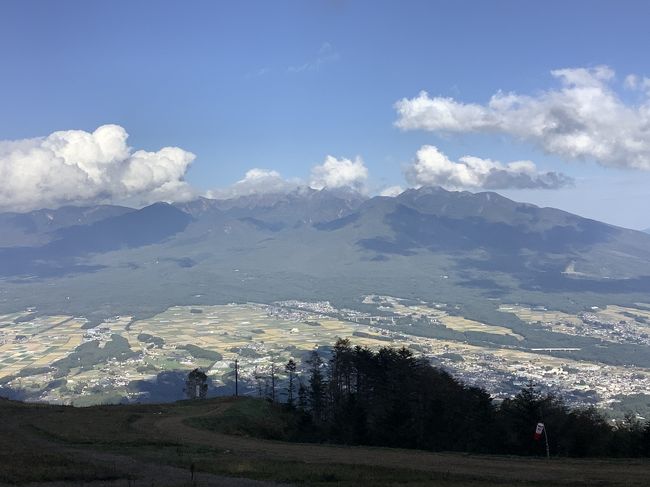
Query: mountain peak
(303,199)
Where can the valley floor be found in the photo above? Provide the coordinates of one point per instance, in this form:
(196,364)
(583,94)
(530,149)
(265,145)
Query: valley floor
(158,445)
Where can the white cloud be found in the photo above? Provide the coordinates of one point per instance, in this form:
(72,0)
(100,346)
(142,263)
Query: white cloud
(391,191)
(257,181)
(333,173)
(634,82)
(433,168)
(583,119)
(258,74)
(326,54)
(631,81)
(75,166)
(339,173)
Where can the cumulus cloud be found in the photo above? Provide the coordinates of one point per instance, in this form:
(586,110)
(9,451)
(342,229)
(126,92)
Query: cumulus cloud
(583,118)
(433,168)
(332,173)
(339,173)
(75,166)
(257,181)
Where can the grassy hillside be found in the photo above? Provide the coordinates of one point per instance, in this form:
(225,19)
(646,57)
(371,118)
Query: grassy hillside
(158,444)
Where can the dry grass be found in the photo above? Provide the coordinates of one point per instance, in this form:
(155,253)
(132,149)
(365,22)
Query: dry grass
(133,442)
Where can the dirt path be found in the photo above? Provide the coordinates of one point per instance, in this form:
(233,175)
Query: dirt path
(150,474)
(576,472)
(129,471)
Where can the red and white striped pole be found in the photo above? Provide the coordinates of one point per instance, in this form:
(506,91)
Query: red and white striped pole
(538,434)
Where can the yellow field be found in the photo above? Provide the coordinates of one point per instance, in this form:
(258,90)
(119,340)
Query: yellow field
(461,324)
(38,342)
(617,313)
(619,324)
(457,323)
(229,329)
(545,316)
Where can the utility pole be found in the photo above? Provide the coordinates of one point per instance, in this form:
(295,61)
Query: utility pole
(236,378)
(258,380)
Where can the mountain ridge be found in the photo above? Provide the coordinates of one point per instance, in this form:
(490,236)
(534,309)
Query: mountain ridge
(467,252)
(318,245)
(36,227)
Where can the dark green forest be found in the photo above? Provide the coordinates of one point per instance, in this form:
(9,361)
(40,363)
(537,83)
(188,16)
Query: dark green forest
(392,398)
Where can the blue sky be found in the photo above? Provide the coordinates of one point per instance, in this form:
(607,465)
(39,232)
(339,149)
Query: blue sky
(282,85)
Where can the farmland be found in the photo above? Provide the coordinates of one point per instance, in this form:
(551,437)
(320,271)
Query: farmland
(64,359)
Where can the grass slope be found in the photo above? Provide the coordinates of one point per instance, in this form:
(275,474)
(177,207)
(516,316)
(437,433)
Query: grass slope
(158,444)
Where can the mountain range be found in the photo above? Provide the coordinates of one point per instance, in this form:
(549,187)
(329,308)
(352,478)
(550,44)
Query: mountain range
(425,243)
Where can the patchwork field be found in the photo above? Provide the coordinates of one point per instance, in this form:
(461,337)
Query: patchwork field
(438,314)
(179,339)
(256,335)
(36,342)
(614,324)
(58,359)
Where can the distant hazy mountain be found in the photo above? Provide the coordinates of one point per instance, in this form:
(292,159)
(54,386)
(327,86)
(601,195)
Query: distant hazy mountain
(301,207)
(508,236)
(647,230)
(102,230)
(38,227)
(427,243)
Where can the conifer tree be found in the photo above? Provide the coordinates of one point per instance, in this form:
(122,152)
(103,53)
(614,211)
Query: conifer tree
(316,387)
(290,368)
(196,385)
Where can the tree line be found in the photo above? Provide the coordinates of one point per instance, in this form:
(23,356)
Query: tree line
(392,398)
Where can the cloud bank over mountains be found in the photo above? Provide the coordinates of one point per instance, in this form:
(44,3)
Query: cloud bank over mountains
(74,166)
(583,119)
(256,181)
(340,173)
(333,173)
(433,168)
(79,167)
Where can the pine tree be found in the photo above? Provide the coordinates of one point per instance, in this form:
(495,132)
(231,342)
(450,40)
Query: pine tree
(290,368)
(272,395)
(196,385)
(303,400)
(316,387)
